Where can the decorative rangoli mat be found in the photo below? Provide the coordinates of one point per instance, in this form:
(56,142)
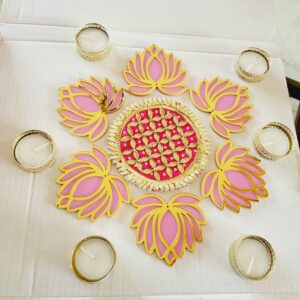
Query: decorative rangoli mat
(159,145)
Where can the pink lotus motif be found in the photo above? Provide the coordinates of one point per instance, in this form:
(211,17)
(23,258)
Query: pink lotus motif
(85,106)
(88,188)
(155,69)
(168,228)
(226,102)
(237,181)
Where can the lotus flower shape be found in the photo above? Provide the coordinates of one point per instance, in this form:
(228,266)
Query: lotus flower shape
(226,102)
(88,188)
(85,106)
(168,228)
(237,181)
(155,69)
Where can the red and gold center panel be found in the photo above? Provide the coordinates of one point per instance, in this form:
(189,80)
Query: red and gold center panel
(159,145)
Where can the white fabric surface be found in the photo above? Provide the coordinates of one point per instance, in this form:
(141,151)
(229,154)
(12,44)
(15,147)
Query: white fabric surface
(233,19)
(37,238)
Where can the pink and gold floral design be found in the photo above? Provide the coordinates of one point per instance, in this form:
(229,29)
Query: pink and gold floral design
(158,145)
(237,181)
(155,69)
(168,228)
(88,188)
(226,102)
(85,106)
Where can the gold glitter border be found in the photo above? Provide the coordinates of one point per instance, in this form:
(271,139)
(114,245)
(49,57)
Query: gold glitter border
(233,250)
(245,75)
(45,165)
(139,180)
(263,152)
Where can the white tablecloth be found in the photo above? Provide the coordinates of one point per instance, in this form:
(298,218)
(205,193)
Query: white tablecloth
(233,19)
(37,238)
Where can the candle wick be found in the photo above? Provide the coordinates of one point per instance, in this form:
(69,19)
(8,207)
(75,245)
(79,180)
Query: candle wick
(268,144)
(87,252)
(249,67)
(41,147)
(250,265)
(86,37)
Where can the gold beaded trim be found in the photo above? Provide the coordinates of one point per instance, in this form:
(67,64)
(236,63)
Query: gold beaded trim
(233,254)
(243,74)
(262,151)
(93,55)
(188,175)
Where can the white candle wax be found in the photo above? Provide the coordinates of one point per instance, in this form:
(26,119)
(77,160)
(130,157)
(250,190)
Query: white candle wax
(252,258)
(33,150)
(92,39)
(253,63)
(94,259)
(274,141)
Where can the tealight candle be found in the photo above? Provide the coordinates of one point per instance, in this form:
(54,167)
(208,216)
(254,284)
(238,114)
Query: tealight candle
(274,141)
(252,257)
(253,64)
(92,41)
(34,151)
(93,259)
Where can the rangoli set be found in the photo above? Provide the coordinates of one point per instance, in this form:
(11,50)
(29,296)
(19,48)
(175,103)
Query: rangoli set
(159,145)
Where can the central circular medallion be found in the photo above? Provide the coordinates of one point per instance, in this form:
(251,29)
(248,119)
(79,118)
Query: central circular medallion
(159,145)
